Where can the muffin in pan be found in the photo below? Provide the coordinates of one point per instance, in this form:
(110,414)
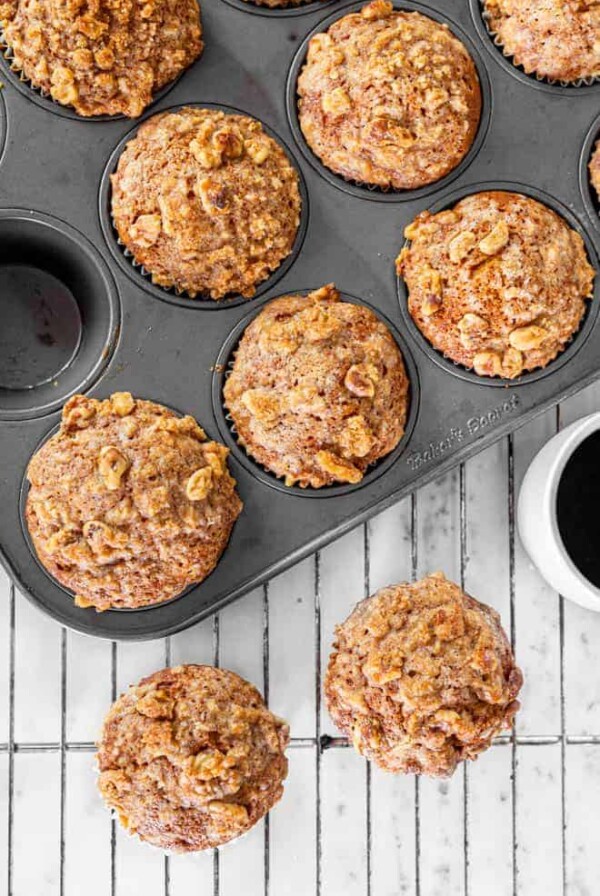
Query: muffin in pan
(129,504)
(207,202)
(594,169)
(421,677)
(498,283)
(101,58)
(389,98)
(318,390)
(554,39)
(191,758)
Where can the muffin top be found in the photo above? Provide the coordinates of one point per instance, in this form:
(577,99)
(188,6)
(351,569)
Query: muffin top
(498,283)
(129,504)
(207,202)
(389,98)
(555,39)
(191,758)
(102,57)
(318,389)
(422,676)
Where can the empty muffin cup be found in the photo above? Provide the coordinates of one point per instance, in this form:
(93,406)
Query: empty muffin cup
(61,312)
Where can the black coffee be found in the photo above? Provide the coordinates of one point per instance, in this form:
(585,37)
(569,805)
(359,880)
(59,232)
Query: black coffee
(40,326)
(577,507)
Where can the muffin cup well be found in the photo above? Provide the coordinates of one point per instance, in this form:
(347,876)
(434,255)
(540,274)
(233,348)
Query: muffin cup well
(588,193)
(59,343)
(578,338)
(23,494)
(141,277)
(491,40)
(42,98)
(223,367)
(308,6)
(373,192)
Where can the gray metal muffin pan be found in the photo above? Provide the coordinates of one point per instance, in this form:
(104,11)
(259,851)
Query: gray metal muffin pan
(53,215)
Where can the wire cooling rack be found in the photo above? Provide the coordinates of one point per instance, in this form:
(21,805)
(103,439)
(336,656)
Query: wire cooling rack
(524,819)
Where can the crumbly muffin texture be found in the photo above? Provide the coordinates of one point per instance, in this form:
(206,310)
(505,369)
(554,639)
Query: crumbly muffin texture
(421,677)
(208,203)
(554,39)
(389,98)
(498,283)
(129,504)
(102,57)
(318,390)
(191,758)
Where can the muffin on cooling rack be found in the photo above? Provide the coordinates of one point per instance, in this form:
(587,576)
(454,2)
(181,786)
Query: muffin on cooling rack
(191,758)
(421,677)
(206,202)
(498,283)
(101,58)
(129,504)
(557,39)
(318,389)
(389,98)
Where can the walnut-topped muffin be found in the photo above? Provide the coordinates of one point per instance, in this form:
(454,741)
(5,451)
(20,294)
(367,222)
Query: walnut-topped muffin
(206,201)
(498,283)
(129,504)
(421,677)
(318,390)
(102,57)
(389,98)
(594,169)
(191,758)
(554,39)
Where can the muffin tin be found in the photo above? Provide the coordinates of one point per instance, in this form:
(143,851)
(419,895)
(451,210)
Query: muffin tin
(54,216)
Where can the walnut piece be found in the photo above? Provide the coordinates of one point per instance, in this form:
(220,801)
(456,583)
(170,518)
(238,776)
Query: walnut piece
(199,484)
(525,338)
(112,466)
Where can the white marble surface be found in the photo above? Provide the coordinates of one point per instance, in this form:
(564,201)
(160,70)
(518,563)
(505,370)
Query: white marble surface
(522,820)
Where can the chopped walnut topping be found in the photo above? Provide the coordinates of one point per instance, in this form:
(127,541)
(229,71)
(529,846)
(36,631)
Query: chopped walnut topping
(112,466)
(199,484)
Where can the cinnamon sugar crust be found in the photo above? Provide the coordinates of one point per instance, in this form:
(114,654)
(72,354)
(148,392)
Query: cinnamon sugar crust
(421,677)
(318,390)
(207,202)
(191,758)
(389,98)
(102,57)
(129,504)
(499,283)
(554,39)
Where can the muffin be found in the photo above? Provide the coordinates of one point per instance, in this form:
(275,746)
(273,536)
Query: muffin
(191,758)
(129,504)
(318,389)
(208,203)
(421,677)
(102,58)
(594,169)
(554,39)
(498,283)
(389,98)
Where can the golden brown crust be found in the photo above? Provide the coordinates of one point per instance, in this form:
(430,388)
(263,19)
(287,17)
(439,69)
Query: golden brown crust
(555,39)
(318,390)
(207,202)
(498,283)
(191,758)
(389,98)
(278,4)
(102,57)
(129,504)
(421,677)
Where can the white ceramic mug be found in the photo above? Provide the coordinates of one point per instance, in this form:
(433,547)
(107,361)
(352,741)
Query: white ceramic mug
(536,515)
